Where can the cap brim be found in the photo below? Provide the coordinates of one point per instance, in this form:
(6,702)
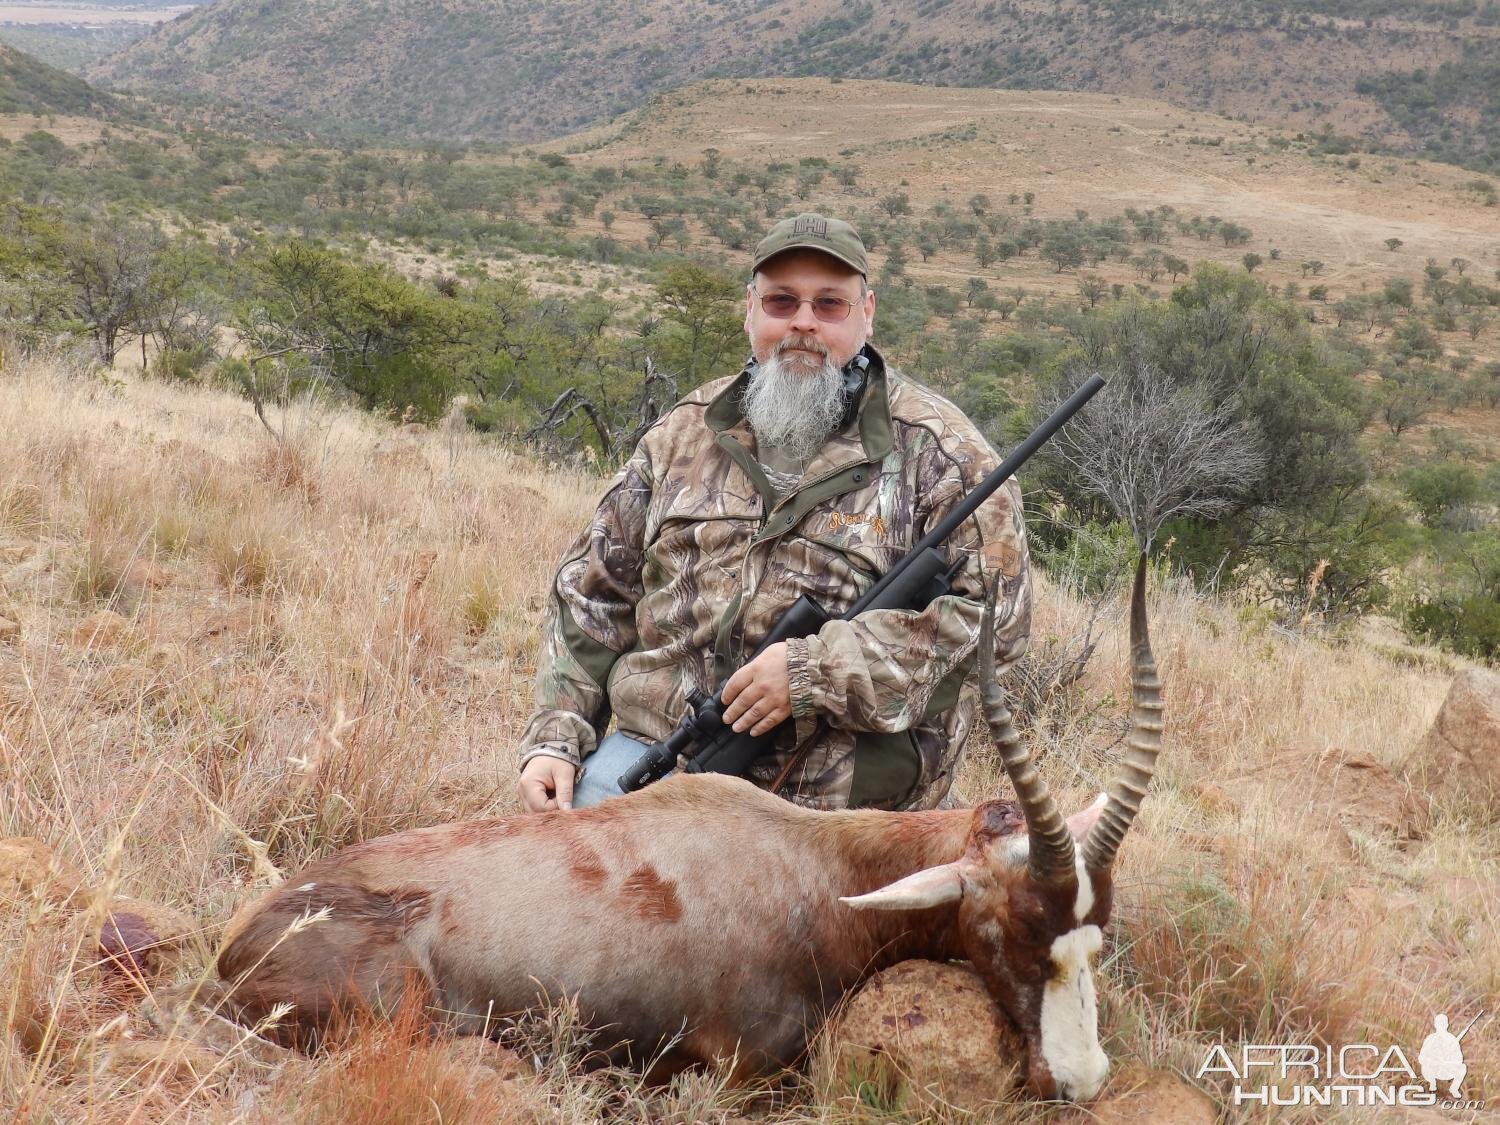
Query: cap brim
(835,255)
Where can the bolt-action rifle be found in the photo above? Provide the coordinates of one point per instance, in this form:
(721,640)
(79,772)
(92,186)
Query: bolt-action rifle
(708,745)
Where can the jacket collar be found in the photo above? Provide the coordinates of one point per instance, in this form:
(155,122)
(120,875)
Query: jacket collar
(867,438)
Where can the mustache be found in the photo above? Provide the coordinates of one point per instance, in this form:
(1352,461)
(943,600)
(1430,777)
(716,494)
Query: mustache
(808,343)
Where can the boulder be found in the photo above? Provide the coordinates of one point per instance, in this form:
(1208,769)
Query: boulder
(921,1034)
(1461,753)
(1350,784)
(101,630)
(144,574)
(29,868)
(1148,1097)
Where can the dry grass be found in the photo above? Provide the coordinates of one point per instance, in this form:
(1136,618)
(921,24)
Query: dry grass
(332,637)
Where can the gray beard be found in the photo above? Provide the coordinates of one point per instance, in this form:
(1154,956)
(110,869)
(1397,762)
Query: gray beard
(792,404)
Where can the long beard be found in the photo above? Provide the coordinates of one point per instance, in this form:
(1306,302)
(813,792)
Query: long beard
(793,402)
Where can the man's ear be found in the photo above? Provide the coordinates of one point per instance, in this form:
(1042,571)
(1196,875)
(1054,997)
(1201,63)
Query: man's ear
(749,304)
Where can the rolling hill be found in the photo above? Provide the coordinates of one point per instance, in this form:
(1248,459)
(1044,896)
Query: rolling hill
(28,85)
(469,69)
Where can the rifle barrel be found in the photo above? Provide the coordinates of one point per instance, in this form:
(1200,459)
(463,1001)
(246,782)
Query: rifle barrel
(987,487)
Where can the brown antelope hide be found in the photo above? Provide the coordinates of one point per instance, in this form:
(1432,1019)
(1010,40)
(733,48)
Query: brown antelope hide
(703,919)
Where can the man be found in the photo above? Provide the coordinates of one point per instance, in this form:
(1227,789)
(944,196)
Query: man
(812,471)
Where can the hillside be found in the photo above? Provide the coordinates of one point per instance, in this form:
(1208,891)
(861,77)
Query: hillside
(226,654)
(28,85)
(1011,232)
(1065,153)
(465,69)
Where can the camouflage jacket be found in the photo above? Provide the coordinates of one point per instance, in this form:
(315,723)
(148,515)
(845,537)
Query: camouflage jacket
(691,557)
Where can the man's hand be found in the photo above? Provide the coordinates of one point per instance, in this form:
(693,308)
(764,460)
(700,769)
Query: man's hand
(758,697)
(546,784)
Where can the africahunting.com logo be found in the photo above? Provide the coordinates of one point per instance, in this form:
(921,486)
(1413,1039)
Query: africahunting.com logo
(1355,1074)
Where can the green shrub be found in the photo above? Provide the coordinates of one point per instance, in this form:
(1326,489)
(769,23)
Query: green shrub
(1470,626)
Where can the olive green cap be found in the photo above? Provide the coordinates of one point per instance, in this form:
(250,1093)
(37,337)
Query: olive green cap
(813,232)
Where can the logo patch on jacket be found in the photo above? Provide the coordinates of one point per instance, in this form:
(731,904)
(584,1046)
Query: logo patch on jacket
(837,520)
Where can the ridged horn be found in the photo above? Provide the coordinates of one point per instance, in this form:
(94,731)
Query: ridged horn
(1050,855)
(1128,789)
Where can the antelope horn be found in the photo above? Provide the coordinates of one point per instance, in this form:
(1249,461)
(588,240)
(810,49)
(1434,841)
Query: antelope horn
(1128,789)
(1050,855)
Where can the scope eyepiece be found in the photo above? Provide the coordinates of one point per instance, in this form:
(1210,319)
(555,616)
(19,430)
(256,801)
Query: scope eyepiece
(651,766)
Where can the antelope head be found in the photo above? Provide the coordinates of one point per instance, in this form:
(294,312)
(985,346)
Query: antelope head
(1032,904)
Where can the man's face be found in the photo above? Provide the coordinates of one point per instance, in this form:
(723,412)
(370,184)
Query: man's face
(808,274)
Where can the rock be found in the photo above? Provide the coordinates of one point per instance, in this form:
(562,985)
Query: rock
(1461,753)
(29,868)
(1361,792)
(101,630)
(1150,1097)
(141,938)
(237,622)
(9,630)
(146,575)
(926,1033)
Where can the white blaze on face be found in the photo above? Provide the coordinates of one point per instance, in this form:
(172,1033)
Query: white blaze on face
(1070,1013)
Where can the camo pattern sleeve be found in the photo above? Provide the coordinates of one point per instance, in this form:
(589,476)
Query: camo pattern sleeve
(590,617)
(879,671)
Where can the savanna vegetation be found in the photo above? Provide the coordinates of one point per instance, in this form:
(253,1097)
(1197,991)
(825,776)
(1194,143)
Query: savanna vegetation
(567,307)
(238,648)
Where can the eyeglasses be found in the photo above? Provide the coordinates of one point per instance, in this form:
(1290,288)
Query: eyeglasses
(784,306)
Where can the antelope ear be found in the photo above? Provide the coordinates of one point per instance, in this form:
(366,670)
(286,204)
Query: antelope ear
(1081,823)
(931,887)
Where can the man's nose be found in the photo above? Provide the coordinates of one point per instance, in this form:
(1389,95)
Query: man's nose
(804,321)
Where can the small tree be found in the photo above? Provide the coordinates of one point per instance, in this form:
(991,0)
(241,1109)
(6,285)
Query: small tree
(1064,249)
(1092,288)
(108,267)
(1402,405)
(1394,244)
(705,307)
(1155,450)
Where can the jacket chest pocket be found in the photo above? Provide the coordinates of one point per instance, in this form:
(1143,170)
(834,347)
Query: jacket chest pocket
(832,577)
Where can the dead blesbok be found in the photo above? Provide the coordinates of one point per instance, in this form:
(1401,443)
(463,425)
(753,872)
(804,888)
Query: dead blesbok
(706,919)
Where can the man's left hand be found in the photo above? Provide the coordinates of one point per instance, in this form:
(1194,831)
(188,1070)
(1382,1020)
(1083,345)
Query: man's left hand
(758,697)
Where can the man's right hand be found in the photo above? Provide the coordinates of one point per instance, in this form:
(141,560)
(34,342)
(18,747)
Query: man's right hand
(546,784)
